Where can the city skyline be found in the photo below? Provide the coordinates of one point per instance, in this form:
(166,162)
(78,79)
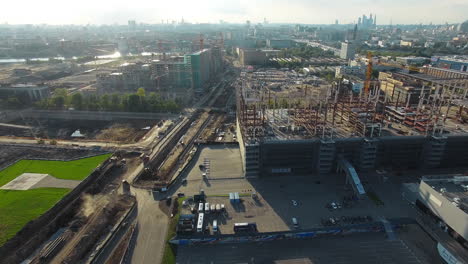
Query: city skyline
(207,11)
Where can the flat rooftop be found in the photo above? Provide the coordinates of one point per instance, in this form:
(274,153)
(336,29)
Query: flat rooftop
(454,188)
(359,248)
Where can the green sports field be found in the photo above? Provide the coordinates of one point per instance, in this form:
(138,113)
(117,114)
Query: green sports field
(17,208)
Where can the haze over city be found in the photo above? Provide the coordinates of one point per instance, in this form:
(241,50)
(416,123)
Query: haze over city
(234,11)
(197,131)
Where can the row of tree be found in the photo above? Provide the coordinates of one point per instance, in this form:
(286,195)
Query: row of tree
(306,52)
(134,102)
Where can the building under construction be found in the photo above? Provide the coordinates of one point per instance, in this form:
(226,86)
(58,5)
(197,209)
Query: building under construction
(289,124)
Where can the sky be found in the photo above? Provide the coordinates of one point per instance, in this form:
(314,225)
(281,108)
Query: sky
(235,11)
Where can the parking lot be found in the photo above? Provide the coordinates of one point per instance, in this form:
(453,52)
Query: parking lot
(280,199)
(225,172)
(306,198)
(224,162)
(248,210)
(313,196)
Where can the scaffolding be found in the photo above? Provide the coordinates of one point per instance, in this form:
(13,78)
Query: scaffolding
(269,107)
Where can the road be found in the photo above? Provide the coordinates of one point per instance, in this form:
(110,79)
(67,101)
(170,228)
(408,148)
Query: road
(152,226)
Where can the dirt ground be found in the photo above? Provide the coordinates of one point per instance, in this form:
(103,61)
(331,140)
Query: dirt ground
(120,132)
(175,155)
(125,131)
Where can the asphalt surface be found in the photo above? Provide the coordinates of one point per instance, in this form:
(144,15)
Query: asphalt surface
(152,225)
(359,248)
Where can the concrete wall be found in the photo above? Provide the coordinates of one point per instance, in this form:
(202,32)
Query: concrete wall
(9,115)
(304,157)
(83,115)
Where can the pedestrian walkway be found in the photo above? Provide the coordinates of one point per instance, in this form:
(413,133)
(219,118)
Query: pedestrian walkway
(388,229)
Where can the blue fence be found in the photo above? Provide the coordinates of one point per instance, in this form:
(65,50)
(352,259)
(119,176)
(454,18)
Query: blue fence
(302,234)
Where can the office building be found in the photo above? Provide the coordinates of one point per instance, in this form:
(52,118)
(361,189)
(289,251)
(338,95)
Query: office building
(279,43)
(341,71)
(347,50)
(412,60)
(457,62)
(252,57)
(205,64)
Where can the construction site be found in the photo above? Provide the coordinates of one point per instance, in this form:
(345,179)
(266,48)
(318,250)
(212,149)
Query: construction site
(406,119)
(122,131)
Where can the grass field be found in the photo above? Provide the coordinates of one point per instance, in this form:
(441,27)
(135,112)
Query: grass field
(68,170)
(17,208)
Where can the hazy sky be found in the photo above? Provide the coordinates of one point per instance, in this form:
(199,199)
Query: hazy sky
(276,11)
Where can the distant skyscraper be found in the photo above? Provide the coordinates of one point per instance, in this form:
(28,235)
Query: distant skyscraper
(367,22)
(347,50)
(132,24)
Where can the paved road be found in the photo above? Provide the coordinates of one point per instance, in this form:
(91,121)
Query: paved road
(152,226)
(359,248)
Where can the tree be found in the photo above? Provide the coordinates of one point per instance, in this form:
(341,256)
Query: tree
(93,102)
(141,92)
(133,103)
(61,92)
(105,102)
(58,102)
(154,102)
(115,103)
(77,101)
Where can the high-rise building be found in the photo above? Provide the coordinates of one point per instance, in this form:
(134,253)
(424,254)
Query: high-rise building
(365,22)
(132,24)
(204,63)
(347,50)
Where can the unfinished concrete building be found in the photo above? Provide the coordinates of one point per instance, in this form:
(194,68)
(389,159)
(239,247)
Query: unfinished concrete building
(127,78)
(173,78)
(288,128)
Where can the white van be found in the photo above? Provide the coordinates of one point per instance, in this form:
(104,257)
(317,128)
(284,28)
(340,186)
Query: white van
(200,223)
(295,223)
(215,226)
(200,208)
(207,208)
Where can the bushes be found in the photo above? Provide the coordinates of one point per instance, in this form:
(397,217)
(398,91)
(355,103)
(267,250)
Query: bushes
(136,102)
